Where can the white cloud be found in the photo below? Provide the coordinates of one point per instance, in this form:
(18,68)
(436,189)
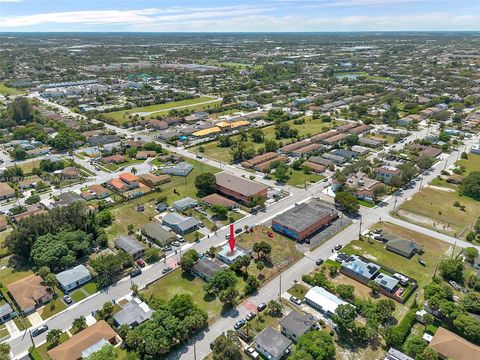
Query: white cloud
(239,18)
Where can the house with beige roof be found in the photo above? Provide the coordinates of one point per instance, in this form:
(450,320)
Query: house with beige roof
(451,346)
(6,191)
(86,342)
(30,293)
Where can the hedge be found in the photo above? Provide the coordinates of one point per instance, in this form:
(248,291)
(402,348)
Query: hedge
(398,334)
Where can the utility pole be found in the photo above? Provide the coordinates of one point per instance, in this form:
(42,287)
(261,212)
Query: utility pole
(395,203)
(280,290)
(360,229)
(421,181)
(195,350)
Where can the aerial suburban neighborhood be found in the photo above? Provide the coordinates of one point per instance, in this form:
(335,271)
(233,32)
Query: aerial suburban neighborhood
(239,196)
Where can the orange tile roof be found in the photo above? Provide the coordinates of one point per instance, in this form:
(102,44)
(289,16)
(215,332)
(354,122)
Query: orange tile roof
(128,177)
(118,184)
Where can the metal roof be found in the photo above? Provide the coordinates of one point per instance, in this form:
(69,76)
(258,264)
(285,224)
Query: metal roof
(72,275)
(128,244)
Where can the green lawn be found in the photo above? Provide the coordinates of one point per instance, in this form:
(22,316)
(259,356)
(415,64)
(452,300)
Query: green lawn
(28,166)
(375,250)
(435,205)
(284,253)
(126,212)
(42,350)
(299,178)
(90,288)
(158,109)
(3,331)
(178,283)
(53,307)
(6,90)
(298,290)
(470,164)
(15,270)
(78,295)
(22,323)
(309,128)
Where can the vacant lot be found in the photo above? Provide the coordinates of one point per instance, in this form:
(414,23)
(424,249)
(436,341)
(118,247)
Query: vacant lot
(433,208)
(284,252)
(299,178)
(178,283)
(309,128)
(470,164)
(121,116)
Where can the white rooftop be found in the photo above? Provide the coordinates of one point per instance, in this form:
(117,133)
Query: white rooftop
(326,300)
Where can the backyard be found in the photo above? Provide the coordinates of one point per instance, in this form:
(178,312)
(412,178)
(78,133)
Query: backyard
(6,90)
(177,282)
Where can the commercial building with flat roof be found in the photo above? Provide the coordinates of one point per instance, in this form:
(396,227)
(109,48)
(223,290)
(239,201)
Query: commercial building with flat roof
(304,220)
(229,257)
(239,188)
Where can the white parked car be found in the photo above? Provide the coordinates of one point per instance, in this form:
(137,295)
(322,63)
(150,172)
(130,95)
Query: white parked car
(251,352)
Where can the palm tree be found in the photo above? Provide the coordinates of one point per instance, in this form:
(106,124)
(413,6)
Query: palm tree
(134,170)
(79,324)
(51,281)
(53,337)
(260,267)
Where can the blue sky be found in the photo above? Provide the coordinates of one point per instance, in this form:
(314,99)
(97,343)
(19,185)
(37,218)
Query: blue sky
(238,15)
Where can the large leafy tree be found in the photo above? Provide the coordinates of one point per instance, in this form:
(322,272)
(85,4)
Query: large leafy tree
(227,347)
(470,186)
(206,184)
(318,344)
(347,202)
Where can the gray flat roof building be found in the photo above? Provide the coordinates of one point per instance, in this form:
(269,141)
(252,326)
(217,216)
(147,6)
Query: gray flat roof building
(129,245)
(206,268)
(304,219)
(73,277)
(180,169)
(133,313)
(155,232)
(184,203)
(272,344)
(294,325)
(361,267)
(387,282)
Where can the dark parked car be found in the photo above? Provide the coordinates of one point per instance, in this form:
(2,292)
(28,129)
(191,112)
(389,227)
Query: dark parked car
(166,270)
(261,307)
(135,272)
(319,262)
(239,324)
(238,231)
(338,247)
(39,330)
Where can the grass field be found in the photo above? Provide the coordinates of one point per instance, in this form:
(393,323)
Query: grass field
(28,166)
(309,128)
(121,116)
(53,307)
(126,213)
(470,164)
(13,271)
(178,283)
(284,253)
(298,290)
(432,205)
(298,178)
(5,90)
